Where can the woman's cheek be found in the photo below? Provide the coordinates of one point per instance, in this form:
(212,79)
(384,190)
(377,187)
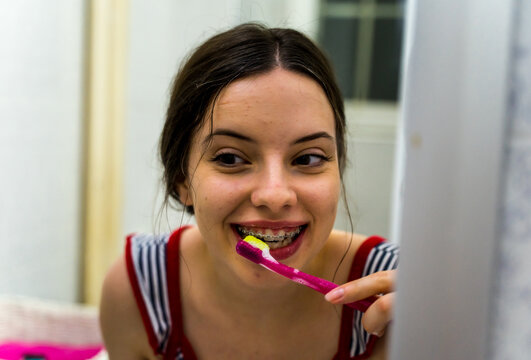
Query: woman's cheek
(325,194)
(220,193)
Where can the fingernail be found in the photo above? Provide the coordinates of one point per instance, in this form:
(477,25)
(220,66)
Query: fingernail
(335,295)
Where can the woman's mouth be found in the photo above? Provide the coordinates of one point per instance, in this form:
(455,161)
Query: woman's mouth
(274,238)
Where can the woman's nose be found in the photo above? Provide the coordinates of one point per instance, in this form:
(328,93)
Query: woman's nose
(273,189)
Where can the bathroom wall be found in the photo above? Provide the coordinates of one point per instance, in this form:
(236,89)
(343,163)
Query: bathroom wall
(41,83)
(511,323)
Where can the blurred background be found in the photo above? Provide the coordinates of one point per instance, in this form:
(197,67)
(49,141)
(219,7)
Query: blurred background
(83,91)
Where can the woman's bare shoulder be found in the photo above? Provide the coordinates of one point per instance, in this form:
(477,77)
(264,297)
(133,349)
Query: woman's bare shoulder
(341,241)
(121,323)
(339,253)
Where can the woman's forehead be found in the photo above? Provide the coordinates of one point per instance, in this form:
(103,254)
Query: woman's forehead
(278,82)
(277,98)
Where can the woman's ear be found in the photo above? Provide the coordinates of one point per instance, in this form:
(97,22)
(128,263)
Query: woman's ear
(185,195)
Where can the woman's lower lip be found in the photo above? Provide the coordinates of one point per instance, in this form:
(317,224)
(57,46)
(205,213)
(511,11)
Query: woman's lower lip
(287,251)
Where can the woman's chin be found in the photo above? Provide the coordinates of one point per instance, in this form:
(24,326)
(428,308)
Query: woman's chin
(254,276)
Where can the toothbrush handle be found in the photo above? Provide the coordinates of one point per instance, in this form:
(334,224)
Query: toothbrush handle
(325,286)
(318,284)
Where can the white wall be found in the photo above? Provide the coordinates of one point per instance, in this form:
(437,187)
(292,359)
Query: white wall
(369,174)
(41,75)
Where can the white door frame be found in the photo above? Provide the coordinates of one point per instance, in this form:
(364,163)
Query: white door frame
(455,93)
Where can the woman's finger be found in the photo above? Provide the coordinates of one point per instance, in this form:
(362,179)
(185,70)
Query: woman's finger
(378,315)
(381,282)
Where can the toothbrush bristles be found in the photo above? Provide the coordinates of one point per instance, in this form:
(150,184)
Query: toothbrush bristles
(249,252)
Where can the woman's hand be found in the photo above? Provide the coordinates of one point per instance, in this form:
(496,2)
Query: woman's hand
(380,313)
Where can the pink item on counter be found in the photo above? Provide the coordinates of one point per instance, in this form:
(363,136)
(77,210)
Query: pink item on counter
(18,351)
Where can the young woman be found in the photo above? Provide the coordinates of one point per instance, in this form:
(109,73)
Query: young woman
(254,143)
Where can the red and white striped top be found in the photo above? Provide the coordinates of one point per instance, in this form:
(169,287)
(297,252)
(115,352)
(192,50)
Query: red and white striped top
(153,264)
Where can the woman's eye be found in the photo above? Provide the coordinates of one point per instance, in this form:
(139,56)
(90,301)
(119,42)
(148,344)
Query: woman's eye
(229,159)
(310,160)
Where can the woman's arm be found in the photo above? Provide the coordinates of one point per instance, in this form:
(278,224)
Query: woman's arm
(121,323)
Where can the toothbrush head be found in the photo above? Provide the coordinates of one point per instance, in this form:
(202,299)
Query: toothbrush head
(253,249)
(257,243)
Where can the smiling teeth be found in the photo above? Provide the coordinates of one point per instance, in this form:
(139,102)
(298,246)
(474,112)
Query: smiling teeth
(280,239)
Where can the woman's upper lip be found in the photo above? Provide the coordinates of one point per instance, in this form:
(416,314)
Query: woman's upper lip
(271,224)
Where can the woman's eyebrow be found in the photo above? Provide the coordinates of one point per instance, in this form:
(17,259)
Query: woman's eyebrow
(225,132)
(317,135)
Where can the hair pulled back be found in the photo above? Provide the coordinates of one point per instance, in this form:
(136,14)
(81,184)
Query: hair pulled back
(245,50)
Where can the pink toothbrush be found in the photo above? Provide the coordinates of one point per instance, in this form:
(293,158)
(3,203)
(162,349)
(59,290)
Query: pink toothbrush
(257,251)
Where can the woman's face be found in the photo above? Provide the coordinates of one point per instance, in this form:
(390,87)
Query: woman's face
(267,167)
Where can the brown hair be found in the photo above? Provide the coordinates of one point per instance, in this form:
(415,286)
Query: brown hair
(245,50)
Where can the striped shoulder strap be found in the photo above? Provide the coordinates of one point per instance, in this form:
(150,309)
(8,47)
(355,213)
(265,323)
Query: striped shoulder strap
(374,255)
(383,256)
(146,268)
